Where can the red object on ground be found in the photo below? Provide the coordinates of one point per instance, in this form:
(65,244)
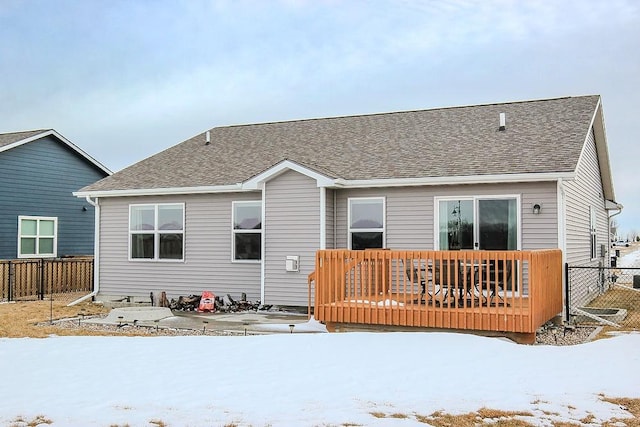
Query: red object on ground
(207,302)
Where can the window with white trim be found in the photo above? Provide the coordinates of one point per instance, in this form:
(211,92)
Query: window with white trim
(156,231)
(247,231)
(37,236)
(593,232)
(366,223)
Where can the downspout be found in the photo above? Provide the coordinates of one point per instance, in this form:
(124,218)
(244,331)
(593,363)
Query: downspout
(619,208)
(562,244)
(335,219)
(323,218)
(263,243)
(562,211)
(96,252)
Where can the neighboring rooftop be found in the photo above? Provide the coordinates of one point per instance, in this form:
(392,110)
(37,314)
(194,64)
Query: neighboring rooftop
(11,140)
(541,136)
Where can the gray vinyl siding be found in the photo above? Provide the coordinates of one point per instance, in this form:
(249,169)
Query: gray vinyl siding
(292,227)
(207,258)
(330,220)
(580,194)
(37,179)
(410,212)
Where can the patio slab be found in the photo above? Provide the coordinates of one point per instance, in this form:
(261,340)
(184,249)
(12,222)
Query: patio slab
(255,322)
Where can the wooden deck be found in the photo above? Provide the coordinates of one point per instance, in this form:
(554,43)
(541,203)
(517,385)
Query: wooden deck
(469,290)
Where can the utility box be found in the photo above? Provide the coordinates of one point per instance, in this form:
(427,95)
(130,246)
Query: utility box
(614,261)
(636,282)
(292,263)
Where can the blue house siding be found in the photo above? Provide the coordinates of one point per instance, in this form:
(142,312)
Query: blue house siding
(37,179)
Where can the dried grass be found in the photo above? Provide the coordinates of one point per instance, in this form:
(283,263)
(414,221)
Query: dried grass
(21,319)
(618,297)
(37,421)
(632,405)
(483,416)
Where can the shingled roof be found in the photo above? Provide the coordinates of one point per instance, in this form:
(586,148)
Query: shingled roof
(12,140)
(542,136)
(13,137)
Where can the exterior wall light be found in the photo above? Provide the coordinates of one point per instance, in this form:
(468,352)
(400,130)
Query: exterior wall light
(536,208)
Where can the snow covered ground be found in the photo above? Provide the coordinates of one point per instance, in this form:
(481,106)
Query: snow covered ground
(308,379)
(631,259)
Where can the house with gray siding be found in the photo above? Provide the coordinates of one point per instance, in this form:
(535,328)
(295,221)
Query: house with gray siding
(243,209)
(39,215)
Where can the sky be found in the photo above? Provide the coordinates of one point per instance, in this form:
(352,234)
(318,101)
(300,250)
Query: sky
(126,79)
(305,379)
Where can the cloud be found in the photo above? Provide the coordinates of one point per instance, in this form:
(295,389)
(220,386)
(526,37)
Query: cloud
(127,79)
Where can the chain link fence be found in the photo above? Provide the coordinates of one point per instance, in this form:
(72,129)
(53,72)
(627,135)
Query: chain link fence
(604,295)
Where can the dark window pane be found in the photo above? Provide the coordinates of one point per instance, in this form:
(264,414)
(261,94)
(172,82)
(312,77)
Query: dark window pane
(171,246)
(248,246)
(497,224)
(142,246)
(366,240)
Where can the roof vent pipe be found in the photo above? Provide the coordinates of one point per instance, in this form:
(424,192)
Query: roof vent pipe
(208,136)
(503,121)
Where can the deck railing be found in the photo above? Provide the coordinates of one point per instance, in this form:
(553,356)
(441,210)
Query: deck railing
(511,291)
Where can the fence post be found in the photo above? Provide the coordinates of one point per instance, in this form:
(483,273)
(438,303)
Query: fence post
(92,269)
(12,273)
(567,293)
(41,279)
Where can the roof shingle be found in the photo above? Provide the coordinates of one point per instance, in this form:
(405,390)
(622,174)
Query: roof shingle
(10,138)
(541,136)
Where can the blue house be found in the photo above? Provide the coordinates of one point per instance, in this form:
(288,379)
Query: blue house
(39,216)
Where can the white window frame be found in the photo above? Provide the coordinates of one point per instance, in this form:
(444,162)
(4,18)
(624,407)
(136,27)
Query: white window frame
(37,236)
(243,231)
(475,199)
(156,233)
(593,233)
(383,200)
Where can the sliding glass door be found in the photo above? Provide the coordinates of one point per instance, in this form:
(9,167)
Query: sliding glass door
(488,223)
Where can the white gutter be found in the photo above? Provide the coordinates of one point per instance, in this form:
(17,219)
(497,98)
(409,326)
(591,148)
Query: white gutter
(255,184)
(233,188)
(96,253)
(452,180)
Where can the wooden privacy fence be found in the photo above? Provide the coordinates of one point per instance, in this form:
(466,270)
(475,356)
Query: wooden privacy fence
(510,291)
(35,278)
